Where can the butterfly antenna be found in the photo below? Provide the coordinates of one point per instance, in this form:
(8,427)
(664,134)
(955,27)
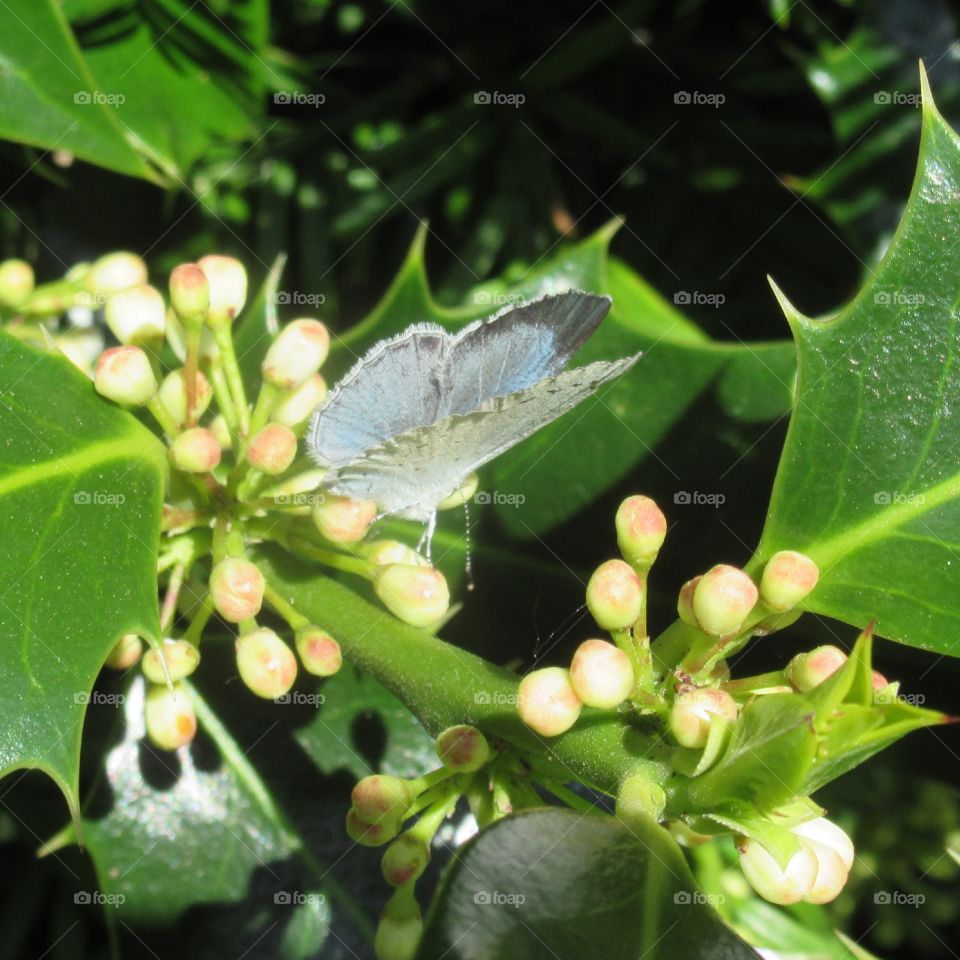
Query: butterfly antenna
(468,562)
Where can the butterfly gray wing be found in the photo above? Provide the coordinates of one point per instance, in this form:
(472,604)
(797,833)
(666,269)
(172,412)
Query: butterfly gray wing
(410,474)
(396,386)
(515,348)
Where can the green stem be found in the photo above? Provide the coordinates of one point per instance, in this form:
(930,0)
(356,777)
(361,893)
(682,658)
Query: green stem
(231,369)
(297,621)
(160,413)
(266,399)
(204,612)
(221,391)
(330,558)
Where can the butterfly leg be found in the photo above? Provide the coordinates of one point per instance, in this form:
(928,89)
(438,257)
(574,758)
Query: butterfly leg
(427,538)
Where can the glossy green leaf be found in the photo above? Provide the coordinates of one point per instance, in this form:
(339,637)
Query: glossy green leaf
(868,483)
(49,98)
(352,699)
(553,883)
(566,465)
(81,485)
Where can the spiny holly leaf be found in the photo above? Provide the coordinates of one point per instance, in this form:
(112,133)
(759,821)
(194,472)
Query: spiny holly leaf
(554,883)
(567,464)
(351,698)
(80,484)
(48,95)
(158,816)
(868,483)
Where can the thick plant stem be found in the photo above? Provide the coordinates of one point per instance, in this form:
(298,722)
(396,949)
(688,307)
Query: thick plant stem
(444,685)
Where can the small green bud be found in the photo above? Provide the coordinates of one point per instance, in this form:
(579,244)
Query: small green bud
(180,657)
(297,353)
(547,702)
(463,494)
(401,927)
(170,720)
(641,530)
(391,551)
(137,315)
(404,860)
(463,748)
(615,595)
(787,578)
(221,432)
(114,272)
(382,796)
(782,886)
(601,674)
(685,602)
(195,451)
(272,449)
(693,713)
(126,652)
(639,797)
(319,652)
(16,282)
(807,670)
(371,834)
(265,663)
(173,395)
(414,594)
(227,281)
(124,375)
(190,293)
(293,407)
(343,519)
(723,599)
(236,586)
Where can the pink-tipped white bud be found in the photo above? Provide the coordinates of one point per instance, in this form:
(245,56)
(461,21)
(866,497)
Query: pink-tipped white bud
(830,835)
(265,663)
(124,375)
(16,282)
(126,652)
(391,551)
(297,353)
(195,451)
(294,406)
(114,272)
(227,282)
(601,674)
(272,449)
(781,885)
(319,652)
(807,670)
(723,599)
(179,657)
(236,586)
(787,578)
(190,293)
(463,748)
(173,395)
(693,714)
(382,796)
(416,595)
(404,860)
(137,315)
(615,595)
(685,602)
(169,716)
(547,702)
(343,519)
(641,530)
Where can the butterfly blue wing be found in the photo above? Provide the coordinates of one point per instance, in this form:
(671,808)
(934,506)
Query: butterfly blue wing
(399,384)
(409,474)
(517,347)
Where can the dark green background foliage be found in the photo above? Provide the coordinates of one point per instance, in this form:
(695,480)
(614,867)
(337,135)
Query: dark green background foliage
(221,143)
